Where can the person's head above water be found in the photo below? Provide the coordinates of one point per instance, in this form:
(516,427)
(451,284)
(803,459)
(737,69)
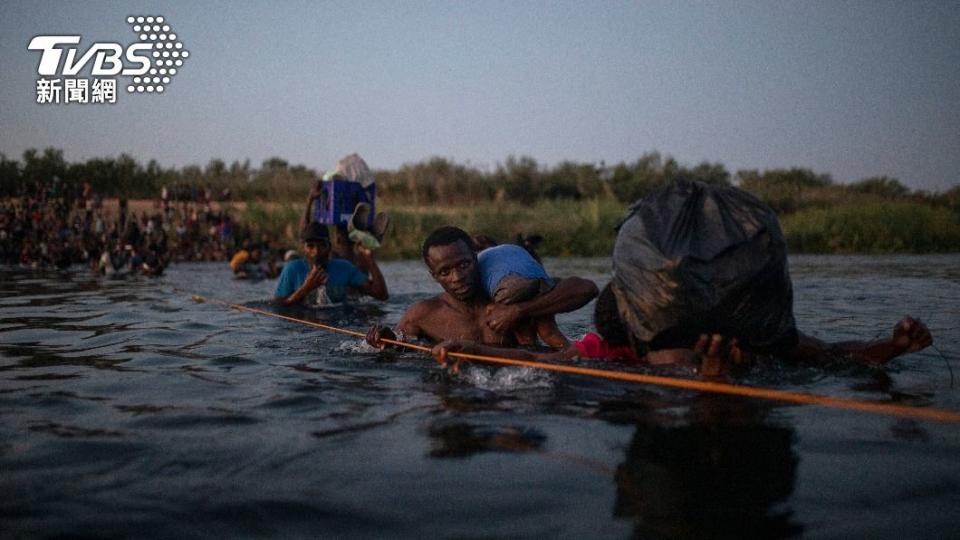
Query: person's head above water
(450,255)
(315,232)
(444,236)
(316,242)
(606,317)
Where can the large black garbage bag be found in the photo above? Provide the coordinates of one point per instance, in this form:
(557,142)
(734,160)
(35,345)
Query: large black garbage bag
(693,258)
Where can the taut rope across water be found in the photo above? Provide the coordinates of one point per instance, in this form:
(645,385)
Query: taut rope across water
(890,409)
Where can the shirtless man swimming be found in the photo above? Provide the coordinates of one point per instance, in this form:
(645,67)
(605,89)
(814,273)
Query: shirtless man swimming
(463,311)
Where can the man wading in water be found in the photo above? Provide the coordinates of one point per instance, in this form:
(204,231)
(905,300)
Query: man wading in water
(334,279)
(351,272)
(464,312)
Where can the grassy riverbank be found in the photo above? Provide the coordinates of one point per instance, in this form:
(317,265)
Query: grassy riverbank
(586,227)
(575,206)
(879,227)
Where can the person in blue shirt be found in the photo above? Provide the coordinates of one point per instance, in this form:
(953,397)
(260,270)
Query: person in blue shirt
(510,275)
(333,279)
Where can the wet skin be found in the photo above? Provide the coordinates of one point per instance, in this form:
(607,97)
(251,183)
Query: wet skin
(461,312)
(455,268)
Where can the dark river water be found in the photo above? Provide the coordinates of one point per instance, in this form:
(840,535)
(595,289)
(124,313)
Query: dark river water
(129,410)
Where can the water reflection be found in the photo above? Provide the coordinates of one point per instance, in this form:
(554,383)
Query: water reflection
(357,315)
(461,439)
(722,471)
(127,402)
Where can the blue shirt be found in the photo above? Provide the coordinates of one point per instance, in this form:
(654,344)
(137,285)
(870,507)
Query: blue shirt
(341,275)
(500,261)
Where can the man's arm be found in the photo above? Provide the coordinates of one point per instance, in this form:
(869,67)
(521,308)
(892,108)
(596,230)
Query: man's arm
(550,333)
(909,335)
(408,327)
(315,279)
(307,216)
(567,295)
(376,286)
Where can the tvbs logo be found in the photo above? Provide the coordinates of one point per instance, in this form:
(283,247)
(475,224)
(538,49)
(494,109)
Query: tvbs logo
(150,62)
(107,57)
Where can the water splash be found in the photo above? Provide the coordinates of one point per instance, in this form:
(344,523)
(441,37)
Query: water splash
(506,379)
(355,346)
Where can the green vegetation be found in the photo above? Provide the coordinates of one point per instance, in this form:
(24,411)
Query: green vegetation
(277,221)
(575,206)
(570,228)
(876,227)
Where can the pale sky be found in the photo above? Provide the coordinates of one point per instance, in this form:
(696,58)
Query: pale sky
(850,88)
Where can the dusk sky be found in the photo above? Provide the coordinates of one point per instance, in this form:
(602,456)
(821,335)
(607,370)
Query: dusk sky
(850,88)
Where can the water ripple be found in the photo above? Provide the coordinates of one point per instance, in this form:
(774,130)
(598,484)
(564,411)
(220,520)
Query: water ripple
(130,410)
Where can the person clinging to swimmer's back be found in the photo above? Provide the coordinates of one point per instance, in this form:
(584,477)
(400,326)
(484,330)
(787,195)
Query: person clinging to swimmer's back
(510,275)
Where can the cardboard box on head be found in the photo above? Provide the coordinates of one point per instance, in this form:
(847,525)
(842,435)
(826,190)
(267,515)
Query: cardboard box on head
(347,184)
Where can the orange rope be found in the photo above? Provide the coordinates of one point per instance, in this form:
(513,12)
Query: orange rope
(937,415)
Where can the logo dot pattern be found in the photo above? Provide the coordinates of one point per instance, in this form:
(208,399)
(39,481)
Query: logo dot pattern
(168,52)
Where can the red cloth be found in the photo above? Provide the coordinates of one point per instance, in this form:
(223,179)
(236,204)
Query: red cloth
(593,346)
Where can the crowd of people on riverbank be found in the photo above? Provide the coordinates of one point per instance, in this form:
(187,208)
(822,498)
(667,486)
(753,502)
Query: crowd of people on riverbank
(56,224)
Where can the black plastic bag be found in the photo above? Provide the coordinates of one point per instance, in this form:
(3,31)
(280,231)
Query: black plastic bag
(692,258)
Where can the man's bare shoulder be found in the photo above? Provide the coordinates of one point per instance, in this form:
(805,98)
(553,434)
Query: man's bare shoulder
(425,308)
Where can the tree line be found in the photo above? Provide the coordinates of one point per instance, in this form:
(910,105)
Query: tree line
(441,181)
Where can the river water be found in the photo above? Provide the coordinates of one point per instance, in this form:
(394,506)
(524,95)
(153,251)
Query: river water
(129,410)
